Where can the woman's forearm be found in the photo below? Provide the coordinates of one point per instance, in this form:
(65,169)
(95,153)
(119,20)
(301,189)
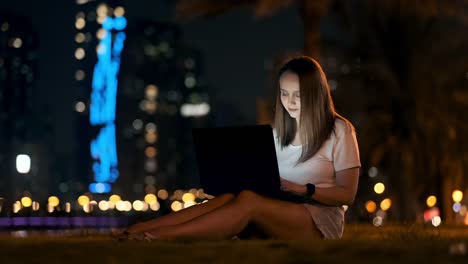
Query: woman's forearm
(336,195)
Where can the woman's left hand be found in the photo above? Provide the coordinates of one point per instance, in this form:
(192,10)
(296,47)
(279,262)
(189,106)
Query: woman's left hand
(292,187)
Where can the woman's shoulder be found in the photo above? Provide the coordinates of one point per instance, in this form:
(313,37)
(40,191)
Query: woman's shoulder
(343,126)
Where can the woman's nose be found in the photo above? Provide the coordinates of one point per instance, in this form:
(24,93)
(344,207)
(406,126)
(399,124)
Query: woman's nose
(292,101)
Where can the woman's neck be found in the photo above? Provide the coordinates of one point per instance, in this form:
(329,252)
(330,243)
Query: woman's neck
(297,140)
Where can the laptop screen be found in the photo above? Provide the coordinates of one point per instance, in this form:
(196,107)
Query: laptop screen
(232,159)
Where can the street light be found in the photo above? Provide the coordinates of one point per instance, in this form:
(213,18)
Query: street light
(23,163)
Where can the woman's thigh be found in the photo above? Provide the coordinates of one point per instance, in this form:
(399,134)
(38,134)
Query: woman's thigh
(280,219)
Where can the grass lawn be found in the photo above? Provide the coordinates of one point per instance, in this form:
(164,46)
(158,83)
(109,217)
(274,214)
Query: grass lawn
(363,243)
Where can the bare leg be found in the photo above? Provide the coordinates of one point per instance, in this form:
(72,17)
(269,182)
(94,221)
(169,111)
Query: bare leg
(277,219)
(182,215)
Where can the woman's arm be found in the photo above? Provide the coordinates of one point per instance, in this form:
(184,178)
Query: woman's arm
(342,194)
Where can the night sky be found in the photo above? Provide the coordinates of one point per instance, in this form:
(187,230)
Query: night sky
(235,47)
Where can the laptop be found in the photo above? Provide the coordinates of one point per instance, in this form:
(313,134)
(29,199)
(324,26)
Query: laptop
(232,159)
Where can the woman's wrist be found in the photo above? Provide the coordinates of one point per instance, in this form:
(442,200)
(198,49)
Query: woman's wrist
(302,189)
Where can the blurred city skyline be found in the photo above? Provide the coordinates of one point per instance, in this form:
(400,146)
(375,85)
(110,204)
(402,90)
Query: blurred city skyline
(397,71)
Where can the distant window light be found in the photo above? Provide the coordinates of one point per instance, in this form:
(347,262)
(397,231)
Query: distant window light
(80,53)
(150,106)
(101,49)
(150,127)
(150,165)
(101,33)
(80,107)
(23,163)
(102,10)
(5,26)
(82,2)
(101,19)
(100,187)
(16,43)
(151,138)
(119,11)
(190,81)
(80,23)
(137,124)
(79,75)
(152,92)
(195,110)
(333,84)
(80,37)
(150,152)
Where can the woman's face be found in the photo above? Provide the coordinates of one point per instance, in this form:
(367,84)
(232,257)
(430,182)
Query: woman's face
(290,94)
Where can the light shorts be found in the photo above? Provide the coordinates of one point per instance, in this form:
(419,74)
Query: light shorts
(328,219)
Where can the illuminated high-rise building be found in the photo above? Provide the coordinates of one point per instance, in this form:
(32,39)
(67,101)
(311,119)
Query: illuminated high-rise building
(100,37)
(18,122)
(162,97)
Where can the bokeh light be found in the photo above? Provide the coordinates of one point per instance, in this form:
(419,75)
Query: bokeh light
(163,194)
(35,206)
(150,198)
(436,221)
(119,11)
(155,206)
(103,205)
(385,204)
(115,198)
(26,201)
(457,196)
(431,201)
(80,53)
(371,206)
(138,205)
(188,197)
(379,188)
(83,200)
(176,206)
(53,201)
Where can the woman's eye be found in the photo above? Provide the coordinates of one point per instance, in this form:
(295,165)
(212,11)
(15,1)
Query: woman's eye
(298,95)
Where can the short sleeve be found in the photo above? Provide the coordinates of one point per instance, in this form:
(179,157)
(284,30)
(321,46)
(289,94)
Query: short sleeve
(346,150)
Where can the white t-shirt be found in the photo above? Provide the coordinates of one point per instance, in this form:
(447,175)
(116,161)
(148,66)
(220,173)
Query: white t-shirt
(339,152)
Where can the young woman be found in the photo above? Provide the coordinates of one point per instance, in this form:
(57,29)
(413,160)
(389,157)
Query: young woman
(318,158)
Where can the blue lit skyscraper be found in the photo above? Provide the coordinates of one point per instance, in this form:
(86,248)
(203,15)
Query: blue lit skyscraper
(108,23)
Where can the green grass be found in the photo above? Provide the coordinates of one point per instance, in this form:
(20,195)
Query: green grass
(363,243)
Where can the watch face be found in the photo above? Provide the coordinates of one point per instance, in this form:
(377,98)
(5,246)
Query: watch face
(310,189)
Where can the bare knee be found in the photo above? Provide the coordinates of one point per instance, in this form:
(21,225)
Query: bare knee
(226,196)
(247,196)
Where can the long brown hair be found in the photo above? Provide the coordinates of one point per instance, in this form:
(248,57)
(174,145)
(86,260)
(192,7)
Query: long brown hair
(317,115)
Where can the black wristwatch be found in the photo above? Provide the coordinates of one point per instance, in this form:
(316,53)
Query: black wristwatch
(310,189)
